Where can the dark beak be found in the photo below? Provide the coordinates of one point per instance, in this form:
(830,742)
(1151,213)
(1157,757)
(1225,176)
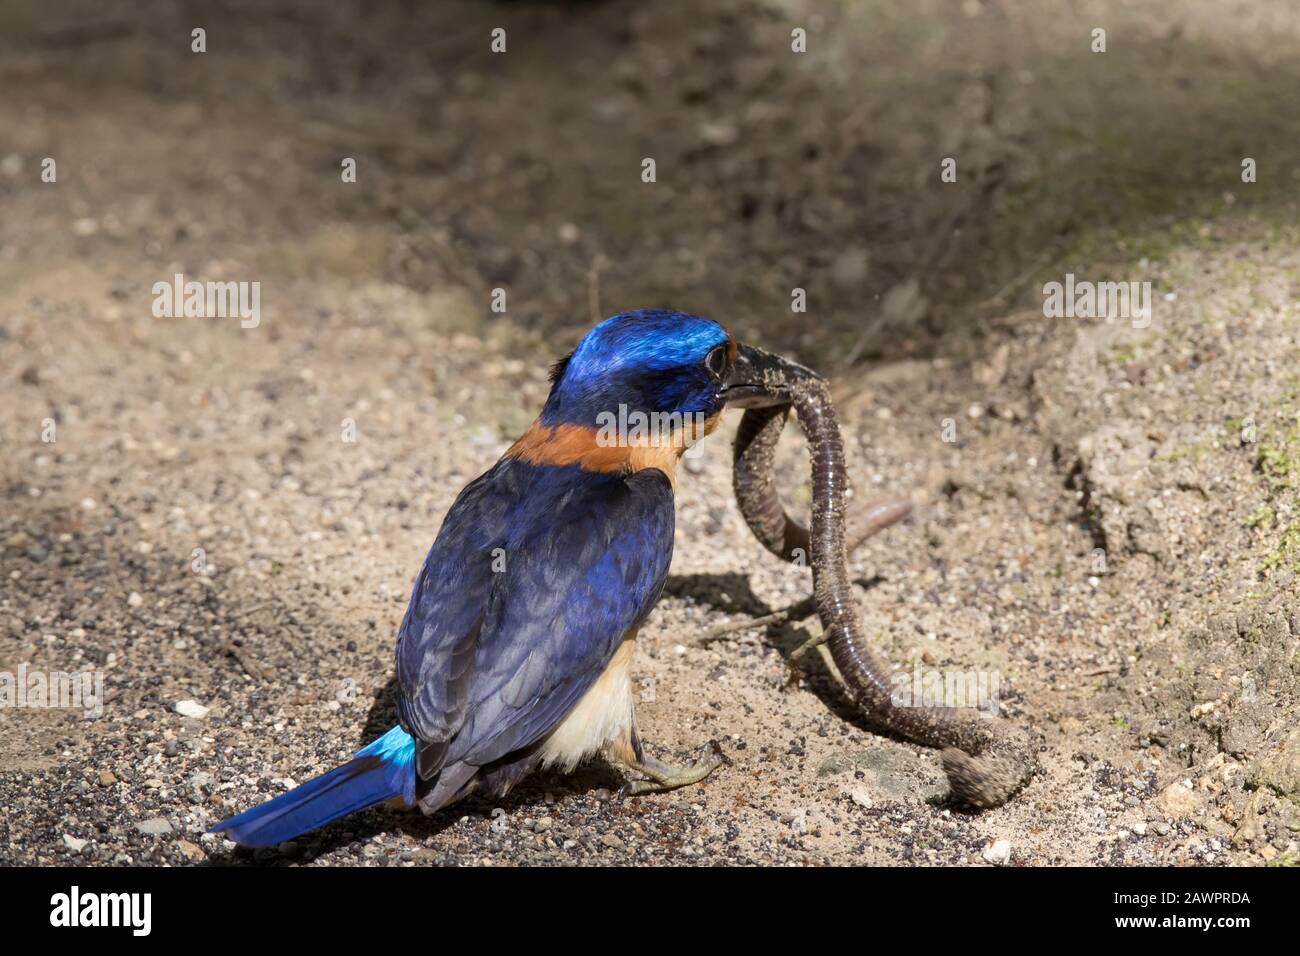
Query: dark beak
(759,378)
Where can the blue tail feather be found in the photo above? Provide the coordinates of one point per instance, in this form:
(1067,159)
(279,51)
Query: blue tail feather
(381,770)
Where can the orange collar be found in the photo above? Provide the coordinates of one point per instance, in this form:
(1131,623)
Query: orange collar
(595,449)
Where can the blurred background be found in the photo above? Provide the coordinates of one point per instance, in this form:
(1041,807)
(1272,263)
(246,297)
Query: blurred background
(224,522)
(522,171)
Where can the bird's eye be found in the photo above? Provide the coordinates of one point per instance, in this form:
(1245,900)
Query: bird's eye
(716,360)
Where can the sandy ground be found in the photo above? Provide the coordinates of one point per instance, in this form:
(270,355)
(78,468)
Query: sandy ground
(1106,516)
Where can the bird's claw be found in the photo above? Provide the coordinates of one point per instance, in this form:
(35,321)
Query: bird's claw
(663,776)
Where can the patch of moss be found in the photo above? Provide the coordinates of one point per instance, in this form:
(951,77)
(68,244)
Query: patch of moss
(1287,552)
(1259,516)
(1278,460)
(1194,451)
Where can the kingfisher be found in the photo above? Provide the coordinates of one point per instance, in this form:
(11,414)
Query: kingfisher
(515,651)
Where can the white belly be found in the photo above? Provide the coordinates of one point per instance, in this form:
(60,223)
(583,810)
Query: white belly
(602,716)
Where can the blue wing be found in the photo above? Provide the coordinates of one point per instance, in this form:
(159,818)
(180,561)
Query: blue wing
(536,575)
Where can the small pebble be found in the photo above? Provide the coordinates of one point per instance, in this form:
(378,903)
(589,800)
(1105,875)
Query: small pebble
(155,827)
(998,852)
(191,708)
(191,851)
(73,844)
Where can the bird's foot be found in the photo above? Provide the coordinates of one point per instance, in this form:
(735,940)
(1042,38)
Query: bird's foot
(665,776)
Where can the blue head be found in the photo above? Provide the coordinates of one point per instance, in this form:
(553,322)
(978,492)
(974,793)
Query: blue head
(650,360)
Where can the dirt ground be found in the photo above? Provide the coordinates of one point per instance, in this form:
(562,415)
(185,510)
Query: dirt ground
(1107,517)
